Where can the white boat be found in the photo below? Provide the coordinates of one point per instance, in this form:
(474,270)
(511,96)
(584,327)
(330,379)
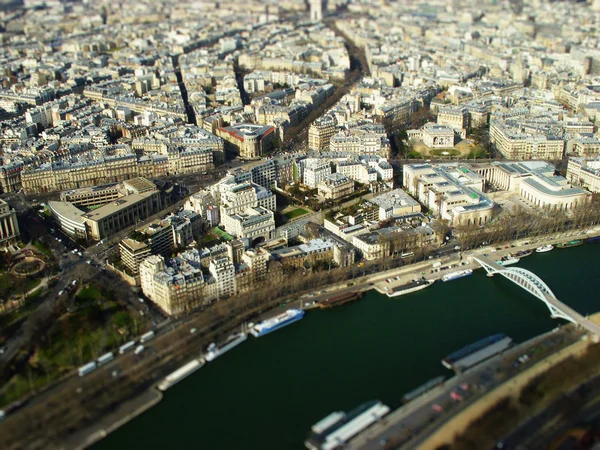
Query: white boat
(184,371)
(279,321)
(508,261)
(456,275)
(544,248)
(214,350)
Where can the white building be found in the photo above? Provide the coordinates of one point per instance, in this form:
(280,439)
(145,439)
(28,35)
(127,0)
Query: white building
(314,171)
(585,173)
(254,224)
(223,271)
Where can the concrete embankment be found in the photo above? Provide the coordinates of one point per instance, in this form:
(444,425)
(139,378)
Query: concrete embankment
(512,388)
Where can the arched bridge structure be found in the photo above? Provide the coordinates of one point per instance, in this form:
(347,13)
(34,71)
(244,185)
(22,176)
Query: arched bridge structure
(536,286)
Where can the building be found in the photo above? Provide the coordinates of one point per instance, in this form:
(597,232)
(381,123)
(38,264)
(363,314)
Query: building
(155,238)
(535,182)
(92,196)
(177,287)
(314,171)
(255,224)
(455,117)
(453,192)
(438,136)
(69,218)
(515,144)
(395,203)
(320,133)
(9,227)
(122,213)
(206,206)
(223,271)
(585,173)
(365,140)
(317,9)
(335,186)
(247,140)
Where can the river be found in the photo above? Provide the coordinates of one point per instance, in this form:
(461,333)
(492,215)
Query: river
(266,393)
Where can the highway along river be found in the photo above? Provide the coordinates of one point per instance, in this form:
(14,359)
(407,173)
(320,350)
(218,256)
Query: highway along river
(266,393)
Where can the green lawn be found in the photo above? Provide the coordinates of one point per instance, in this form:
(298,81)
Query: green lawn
(42,248)
(296,213)
(88,294)
(216,231)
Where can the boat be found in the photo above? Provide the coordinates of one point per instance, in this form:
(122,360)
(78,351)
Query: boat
(214,350)
(508,261)
(335,430)
(425,387)
(593,239)
(181,373)
(413,286)
(279,321)
(456,275)
(569,244)
(544,248)
(522,254)
(477,351)
(339,300)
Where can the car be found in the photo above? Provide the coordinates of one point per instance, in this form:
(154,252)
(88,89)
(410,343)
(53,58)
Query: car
(60,293)
(464,386)
(141,300)
(456,396)
(192,331)
(89,261)
(2,350)
(141,313)
(74,282)
(437,408)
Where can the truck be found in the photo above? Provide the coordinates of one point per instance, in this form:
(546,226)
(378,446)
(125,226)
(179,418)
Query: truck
(437,264)
(139,349)
(126,347)
(89,367)
(146,337)
(2,415)
(105,358)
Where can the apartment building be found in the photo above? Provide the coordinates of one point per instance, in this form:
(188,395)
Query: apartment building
(320,133)
(335,186)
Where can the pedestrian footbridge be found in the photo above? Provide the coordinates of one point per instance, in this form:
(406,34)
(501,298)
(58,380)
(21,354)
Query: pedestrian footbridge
(536,286)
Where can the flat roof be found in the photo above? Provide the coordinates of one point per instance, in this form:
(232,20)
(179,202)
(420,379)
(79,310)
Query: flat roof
(67,211)
(116,206)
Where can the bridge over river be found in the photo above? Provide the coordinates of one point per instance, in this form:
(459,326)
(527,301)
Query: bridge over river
(536,286)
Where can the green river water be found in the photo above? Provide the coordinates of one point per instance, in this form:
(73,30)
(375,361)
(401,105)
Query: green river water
(266,393)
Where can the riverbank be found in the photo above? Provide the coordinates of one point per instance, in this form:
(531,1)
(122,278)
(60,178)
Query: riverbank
(359,284)
(385,336)
(458,424)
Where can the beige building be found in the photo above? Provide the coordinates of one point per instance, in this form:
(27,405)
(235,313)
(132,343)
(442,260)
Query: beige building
(9,227)
(126,211)
(335,186)
(320,133)
(516,145)
(254,224)
(92,196)
(585,173)
(453,116)
(453,192)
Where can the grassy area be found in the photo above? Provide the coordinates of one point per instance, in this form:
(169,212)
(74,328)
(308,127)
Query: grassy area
(42,248)
(12,285)
(216,231)
(296,213)
(97,325)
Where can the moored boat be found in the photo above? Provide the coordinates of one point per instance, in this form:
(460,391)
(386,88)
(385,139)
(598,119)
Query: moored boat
(522,254)
(456,275)
(508,261)
(544,248)
(413,286)
(339,300)
(593,239)
(569,244)
(214,350)
(279,321)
